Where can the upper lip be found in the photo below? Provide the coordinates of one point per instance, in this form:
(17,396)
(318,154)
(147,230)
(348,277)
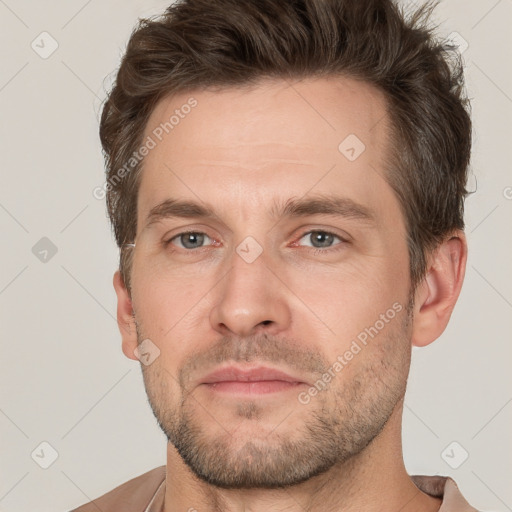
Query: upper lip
(254,374)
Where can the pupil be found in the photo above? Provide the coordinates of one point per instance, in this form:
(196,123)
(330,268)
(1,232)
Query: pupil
(191,240)
(322,239)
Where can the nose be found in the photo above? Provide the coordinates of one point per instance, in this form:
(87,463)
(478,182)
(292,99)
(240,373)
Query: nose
(250,299)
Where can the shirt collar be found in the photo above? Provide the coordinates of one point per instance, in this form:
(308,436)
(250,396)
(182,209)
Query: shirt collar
(437,486)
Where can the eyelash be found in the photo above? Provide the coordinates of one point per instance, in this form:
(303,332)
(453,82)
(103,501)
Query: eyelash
(315,250)
(320,250)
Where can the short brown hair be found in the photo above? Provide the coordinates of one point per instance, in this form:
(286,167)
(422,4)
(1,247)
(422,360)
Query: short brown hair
(203,43)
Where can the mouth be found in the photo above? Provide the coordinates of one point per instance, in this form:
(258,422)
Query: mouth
(250,381)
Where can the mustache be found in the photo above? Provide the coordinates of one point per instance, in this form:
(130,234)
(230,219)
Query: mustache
(259,347)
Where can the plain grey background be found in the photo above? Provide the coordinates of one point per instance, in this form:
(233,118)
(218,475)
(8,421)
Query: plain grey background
(64,380)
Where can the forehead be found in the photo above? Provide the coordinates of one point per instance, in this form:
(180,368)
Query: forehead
(277,137)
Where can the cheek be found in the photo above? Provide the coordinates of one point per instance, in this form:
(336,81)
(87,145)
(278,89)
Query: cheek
(165,301)
(174,314)
(351,298)
(162,387)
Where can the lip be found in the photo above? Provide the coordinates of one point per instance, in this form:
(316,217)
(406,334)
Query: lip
(259,380)
(257,374)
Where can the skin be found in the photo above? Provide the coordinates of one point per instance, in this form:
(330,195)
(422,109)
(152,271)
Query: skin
(295,307)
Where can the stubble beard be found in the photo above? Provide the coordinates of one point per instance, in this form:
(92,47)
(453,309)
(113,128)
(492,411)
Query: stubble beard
(337,424)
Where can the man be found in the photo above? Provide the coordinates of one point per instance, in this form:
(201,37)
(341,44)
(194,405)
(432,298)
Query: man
(286,182)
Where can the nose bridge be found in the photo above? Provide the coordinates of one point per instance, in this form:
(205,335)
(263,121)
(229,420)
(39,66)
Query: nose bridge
(249,267)
(250,298)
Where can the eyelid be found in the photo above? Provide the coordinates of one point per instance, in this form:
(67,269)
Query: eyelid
(344,237)
(334,235)
(169,239)
(179,235)
(183,230)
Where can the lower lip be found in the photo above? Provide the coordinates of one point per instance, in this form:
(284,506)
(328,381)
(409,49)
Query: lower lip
(258,387)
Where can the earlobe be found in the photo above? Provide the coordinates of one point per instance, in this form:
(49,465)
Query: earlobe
(125,317)
(437,294)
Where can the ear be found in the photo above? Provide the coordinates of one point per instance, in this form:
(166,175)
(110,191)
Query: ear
(437,294)
(125,318)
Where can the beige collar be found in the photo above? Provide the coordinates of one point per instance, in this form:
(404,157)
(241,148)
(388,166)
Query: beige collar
(437,486)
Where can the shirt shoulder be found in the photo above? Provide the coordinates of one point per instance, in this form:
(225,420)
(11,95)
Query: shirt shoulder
(132,496)
(445,488)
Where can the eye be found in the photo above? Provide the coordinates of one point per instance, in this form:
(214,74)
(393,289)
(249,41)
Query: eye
(319,239)
(190,240)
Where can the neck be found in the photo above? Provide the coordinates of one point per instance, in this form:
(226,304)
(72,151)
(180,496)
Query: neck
(374,480)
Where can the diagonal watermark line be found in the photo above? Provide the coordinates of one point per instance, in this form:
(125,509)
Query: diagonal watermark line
(493,287)
(316,493)
(184,184)
(421,420)
(301,300)
(306,193)
(188,187)
(501,409)
(377,173)
(404,235)
(417,493)
(486,14)
(297,92)
(280,423)
(200,404)
(73,219)
(89,293)
(207,411)
(14,486)
(14,423)
(491,491)
(13,279)
(104,395)
(13,76)
(14,218)
(76,14)
(85,85)
(492,81)
(378,121)
(13,13)
(91,502)
(311,499)
(485,218)
(196,303)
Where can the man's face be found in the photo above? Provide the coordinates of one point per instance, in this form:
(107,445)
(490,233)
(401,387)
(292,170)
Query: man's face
(302,268)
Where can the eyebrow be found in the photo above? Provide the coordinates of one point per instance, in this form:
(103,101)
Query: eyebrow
(323,205)
(170,208)
(312,205)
